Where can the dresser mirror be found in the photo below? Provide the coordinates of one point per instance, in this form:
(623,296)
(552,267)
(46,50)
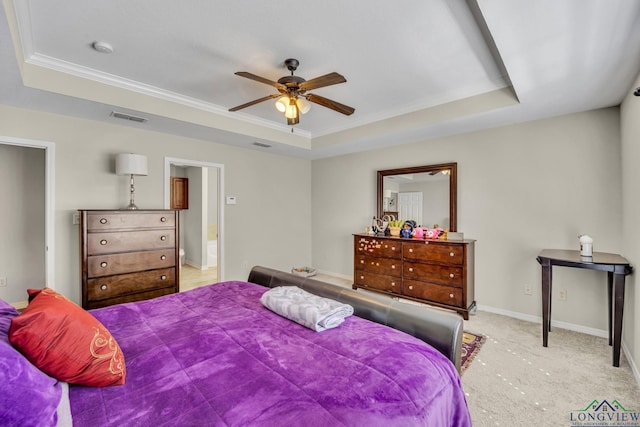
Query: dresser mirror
(426,194)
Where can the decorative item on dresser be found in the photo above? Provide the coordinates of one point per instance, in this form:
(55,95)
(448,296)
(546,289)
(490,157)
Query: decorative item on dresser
(435,272)
(128,255)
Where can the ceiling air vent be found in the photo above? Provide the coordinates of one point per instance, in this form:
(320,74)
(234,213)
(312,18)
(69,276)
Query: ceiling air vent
(261,144)
(126,116)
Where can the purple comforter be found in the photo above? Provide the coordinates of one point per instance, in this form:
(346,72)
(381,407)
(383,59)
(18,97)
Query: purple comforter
(214,356)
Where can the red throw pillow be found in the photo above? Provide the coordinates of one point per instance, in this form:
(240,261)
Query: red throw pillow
(66,342)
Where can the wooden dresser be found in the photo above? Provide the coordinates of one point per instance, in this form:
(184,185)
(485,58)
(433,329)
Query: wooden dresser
(434,272)
(128,255)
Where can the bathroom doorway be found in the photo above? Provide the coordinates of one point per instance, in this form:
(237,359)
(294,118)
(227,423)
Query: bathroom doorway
(201,236)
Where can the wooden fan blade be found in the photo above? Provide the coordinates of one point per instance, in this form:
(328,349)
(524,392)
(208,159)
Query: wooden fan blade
(261,80)
(257,101)
(322,81)
(325,102)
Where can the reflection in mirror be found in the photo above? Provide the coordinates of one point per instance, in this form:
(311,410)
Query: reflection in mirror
(426,194)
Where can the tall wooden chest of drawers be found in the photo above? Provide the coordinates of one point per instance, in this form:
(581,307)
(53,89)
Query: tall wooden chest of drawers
(128,255)
(435,272)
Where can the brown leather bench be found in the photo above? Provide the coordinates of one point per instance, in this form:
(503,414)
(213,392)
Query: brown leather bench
(442,330)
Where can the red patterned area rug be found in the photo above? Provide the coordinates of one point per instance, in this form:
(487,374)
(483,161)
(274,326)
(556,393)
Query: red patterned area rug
(471,344)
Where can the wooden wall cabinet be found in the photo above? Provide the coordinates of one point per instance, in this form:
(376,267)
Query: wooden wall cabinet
(440,273)
(179,193)
(128,255)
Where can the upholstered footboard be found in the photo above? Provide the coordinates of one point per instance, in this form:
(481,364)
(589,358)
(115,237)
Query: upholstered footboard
(441,330)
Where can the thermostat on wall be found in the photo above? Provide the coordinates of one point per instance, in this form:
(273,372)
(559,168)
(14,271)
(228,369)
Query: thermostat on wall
(231,200)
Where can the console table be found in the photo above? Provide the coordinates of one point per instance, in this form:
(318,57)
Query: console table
(616,267)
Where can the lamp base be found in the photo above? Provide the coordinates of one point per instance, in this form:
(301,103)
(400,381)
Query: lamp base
(131,207)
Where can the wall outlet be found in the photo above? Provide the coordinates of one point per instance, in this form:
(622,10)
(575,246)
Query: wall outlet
(562,294)
(3,282)
(528,290)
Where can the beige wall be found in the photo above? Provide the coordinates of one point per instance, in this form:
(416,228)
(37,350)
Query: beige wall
(268,226)
(521,188)
(630,126)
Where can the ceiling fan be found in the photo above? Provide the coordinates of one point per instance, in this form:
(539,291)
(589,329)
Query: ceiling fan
(292,93)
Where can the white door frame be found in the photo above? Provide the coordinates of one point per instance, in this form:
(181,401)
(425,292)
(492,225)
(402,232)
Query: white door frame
(168,161)
(49,201)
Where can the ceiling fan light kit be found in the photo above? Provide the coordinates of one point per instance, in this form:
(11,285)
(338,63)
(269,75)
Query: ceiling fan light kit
(292,95)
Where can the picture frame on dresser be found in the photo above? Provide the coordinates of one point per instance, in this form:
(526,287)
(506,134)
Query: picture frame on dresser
(128,255)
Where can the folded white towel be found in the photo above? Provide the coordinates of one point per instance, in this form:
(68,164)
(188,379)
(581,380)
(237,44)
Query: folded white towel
(302,307)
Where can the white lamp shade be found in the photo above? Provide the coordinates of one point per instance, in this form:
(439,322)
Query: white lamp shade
(387,194)
(303,105)
(131,164)
(282,103)
(292,110)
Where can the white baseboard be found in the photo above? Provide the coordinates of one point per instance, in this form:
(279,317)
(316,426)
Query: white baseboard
(565,325)
(538,319)
(338,275)
(632,364)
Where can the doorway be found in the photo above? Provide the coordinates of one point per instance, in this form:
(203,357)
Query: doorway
(34,193)
(202,223)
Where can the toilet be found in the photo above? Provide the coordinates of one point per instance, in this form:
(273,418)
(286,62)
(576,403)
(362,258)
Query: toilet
(181,257)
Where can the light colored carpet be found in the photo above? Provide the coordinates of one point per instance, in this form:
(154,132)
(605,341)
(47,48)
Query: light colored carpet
(515,381)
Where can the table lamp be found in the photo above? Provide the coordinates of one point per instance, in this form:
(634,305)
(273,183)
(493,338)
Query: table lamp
(131,164)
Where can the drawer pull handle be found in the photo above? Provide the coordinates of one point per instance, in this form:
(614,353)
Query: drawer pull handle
(361,261)
(451,275)
(103,220)
(362,277)
(411,269)
(451,254)
(163,257)
(163,219)
(393,284)
(450,295)
(410,249)
(163,277)
(393,248)
(163,238)
(377,264)
(410,288)
(103,264)
(393,266)
(103,242)
(103,287)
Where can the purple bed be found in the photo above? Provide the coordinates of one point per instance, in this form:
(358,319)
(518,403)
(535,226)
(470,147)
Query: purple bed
(216,356)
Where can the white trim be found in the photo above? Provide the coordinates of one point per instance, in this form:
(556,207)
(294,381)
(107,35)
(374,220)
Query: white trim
(632,364)
(168,161)
(537,319)
(49,202)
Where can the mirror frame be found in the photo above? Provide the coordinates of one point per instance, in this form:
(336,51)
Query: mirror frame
(453,187)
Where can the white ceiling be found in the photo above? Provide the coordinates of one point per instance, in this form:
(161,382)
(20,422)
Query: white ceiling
(415,69)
